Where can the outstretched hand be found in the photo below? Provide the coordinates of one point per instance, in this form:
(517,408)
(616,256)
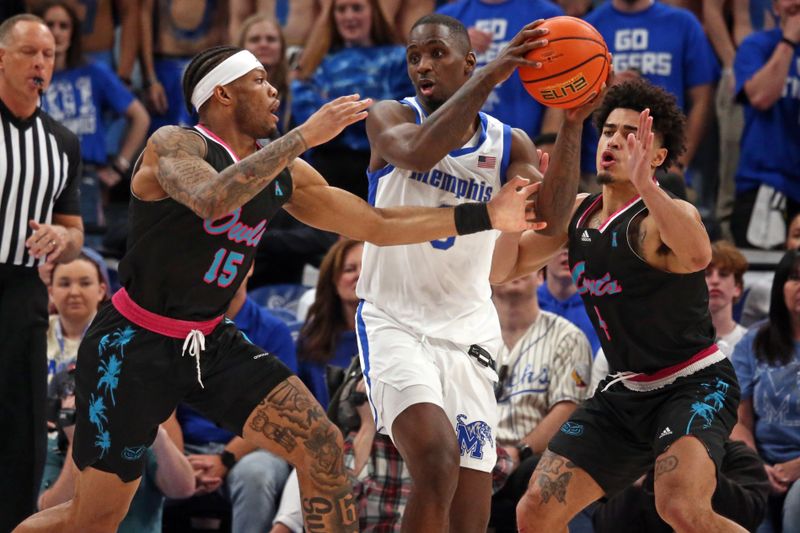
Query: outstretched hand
(329,120)
(639,146)
(512,209)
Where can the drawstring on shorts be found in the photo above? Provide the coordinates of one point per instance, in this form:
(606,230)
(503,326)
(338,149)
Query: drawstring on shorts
(196,343)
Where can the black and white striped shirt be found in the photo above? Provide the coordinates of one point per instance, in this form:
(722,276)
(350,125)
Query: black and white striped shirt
(39,176)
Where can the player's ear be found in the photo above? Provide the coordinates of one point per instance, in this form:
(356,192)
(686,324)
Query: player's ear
(659,157)
(222,95)
(470,61)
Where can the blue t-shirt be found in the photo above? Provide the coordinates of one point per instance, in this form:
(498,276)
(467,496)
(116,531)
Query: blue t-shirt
(666,44)
(377,72)
(573,310)
(314,375)
(509,102)
(78,98)
(264,330)
(770,145)
(776,400)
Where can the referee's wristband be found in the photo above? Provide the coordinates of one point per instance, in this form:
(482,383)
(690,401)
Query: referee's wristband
(788,41)
(472,217)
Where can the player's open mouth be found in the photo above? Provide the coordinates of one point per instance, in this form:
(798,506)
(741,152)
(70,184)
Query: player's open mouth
(607,159)
(426,87)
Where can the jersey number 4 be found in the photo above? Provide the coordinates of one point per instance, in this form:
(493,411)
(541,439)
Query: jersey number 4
(226,261)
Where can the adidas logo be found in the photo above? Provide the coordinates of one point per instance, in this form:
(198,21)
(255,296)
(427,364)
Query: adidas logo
(666,432)
(585,237)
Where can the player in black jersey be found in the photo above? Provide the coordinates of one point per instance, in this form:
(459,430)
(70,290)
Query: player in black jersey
(637,256)
(202,198)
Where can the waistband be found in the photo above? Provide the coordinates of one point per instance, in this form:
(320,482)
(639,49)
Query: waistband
(641,382)
(169,327)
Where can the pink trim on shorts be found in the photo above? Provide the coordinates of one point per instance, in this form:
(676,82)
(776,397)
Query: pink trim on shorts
(169,327)
(668,371)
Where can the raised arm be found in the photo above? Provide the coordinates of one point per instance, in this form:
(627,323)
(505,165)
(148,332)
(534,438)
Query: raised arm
(557,196)
(418,147)
(328,208)
(173,161)
(675,224)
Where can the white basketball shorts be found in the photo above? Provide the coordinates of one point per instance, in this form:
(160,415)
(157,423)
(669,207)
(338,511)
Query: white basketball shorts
(403,368)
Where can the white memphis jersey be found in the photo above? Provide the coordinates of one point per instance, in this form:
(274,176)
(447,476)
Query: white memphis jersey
(441,288)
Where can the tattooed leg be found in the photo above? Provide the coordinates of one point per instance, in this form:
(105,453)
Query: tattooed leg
(557,491)
(290,423)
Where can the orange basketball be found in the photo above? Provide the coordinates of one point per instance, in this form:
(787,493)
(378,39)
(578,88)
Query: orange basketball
(575,63)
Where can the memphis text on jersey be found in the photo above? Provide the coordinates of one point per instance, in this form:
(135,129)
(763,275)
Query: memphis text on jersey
(461,188)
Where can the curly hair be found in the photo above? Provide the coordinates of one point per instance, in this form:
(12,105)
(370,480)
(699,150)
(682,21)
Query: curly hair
(669,121)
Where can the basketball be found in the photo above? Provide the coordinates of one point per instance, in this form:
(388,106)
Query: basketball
(575,63)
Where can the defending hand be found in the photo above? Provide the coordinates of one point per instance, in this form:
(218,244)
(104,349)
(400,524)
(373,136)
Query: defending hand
(332,118)
(512,209)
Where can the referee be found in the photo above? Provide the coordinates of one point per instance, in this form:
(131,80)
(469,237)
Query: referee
(39,222)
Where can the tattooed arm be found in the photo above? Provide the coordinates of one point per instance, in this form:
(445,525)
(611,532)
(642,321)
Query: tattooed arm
(173,164)
(555,202)
(394,136)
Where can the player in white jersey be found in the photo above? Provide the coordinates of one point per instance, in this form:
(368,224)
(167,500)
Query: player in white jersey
(427,329)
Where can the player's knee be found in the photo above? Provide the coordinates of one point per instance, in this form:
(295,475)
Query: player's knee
(535,511)
(682,510)
(434,465)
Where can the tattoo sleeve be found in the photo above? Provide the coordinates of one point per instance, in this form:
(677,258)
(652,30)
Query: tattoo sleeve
(556,198)
(190,180)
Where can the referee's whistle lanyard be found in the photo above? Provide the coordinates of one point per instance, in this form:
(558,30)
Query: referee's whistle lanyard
(59,332)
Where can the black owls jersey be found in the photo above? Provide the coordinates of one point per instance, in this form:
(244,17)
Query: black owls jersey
(181,266)
(647,319)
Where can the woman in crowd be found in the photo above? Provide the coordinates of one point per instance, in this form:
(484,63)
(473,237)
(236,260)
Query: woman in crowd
(354,51)
(767,362)
(328,337)
(80,93)
(76,291)
(262,35)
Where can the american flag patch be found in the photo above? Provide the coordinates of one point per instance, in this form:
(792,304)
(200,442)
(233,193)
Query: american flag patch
(486,161)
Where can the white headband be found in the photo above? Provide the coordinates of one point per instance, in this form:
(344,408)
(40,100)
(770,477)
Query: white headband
(229,70)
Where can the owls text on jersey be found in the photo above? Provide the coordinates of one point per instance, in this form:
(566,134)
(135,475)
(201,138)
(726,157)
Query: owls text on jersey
(440,288)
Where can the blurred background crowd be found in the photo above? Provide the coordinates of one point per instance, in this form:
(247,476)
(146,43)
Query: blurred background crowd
(117,79)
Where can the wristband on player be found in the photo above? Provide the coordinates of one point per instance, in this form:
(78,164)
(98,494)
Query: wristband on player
(472,217)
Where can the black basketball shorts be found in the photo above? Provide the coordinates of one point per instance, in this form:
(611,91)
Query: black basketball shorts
(616,435)
(130,379)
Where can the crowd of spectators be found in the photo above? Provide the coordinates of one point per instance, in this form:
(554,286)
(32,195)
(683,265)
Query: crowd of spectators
(733,66)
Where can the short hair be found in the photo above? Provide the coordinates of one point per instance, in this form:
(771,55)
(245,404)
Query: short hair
(457,29)
(725,256)
(75,51)
(199,66)
(668,119)
(9,24)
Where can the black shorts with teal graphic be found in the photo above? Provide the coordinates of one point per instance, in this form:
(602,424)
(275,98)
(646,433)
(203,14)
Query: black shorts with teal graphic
(616,435)
(129,380)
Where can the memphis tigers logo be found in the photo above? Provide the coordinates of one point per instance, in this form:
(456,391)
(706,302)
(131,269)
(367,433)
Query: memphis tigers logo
(473,436)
